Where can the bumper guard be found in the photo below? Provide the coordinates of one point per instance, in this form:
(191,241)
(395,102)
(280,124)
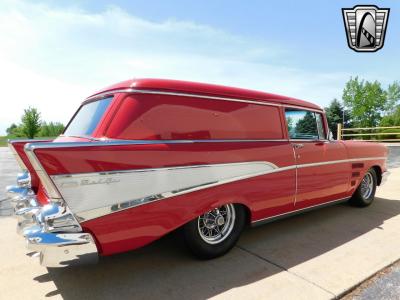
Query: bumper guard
(50,230)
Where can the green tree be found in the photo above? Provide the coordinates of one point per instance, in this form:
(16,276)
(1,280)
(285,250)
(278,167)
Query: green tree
(392,119)
(51,129)
(10,130)
(307,126)
(393,97)
(15,131)
(367,102)
(31,122)
(335,114)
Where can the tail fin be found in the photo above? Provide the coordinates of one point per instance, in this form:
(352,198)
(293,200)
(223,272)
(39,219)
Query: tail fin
(17,147)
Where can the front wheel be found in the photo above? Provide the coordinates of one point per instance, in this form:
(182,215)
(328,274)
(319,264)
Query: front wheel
(365,193)
(215,232)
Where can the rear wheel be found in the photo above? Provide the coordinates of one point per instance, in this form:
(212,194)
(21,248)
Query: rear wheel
(215,232)
(365,193)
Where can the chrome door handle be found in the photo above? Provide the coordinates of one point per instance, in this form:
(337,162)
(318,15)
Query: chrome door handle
(298,146)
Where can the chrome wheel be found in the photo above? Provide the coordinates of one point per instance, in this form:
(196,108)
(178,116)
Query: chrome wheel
(216,225)
(367,185)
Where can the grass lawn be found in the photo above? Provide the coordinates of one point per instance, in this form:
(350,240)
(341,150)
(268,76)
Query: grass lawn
(3,141)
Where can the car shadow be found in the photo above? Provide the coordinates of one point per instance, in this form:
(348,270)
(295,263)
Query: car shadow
(165,269)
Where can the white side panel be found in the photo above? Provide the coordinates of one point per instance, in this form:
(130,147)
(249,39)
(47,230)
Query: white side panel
(92,195)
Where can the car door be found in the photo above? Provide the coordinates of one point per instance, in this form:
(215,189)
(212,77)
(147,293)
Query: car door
(322,170)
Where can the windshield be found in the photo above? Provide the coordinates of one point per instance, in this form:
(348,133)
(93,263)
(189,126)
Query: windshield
(87,118)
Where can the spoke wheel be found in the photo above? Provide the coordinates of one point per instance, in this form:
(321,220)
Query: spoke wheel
(215,232)
(215,225)
(365,193)
(367,186)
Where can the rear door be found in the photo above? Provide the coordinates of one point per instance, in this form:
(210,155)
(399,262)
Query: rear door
(322,169)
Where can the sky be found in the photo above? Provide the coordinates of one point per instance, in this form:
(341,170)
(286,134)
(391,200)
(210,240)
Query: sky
(53,54)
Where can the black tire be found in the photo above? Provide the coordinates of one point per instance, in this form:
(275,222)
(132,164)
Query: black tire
(205,250)
(361,198)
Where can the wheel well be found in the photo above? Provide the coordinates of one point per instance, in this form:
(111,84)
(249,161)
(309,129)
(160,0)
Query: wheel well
(247,212)
(378,172)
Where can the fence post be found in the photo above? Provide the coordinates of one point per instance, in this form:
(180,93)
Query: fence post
(339,131)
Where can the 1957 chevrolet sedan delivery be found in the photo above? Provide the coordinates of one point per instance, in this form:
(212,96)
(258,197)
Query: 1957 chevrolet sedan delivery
(144,157)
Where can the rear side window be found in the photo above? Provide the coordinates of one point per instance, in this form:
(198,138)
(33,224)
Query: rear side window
(87,118)
(302,124)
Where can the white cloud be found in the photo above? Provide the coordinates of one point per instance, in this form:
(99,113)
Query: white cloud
(52,58)
(21,88)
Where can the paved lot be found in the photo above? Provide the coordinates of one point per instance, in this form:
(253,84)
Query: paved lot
(8,173)
(394,157)
(318,255)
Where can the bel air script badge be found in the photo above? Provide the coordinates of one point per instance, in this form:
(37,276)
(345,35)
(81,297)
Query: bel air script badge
(76,183)
(365,27)
(107,180)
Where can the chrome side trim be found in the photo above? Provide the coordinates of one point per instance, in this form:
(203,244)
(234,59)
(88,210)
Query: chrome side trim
(111,142)
(298,211)
(92,195)
(42,174)
(182,94)
(29,140)
(339,161)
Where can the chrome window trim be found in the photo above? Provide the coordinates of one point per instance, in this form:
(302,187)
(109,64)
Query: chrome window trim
(82,137)
(193,95)
(303,108)
(315,118)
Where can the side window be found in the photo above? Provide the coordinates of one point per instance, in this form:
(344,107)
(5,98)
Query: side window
(87,118)
(301,124)
(320,126)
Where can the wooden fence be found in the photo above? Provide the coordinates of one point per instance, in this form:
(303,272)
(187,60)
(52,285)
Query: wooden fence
(376,134)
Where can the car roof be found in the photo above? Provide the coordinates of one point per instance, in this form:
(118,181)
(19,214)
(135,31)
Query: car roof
(204,89)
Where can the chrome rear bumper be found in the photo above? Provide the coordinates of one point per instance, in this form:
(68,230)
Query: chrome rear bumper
(51,230)
(63,249)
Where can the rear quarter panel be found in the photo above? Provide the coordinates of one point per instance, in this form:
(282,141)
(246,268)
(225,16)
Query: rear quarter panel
(264,195)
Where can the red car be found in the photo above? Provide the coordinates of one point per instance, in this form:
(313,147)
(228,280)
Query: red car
(147,156)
